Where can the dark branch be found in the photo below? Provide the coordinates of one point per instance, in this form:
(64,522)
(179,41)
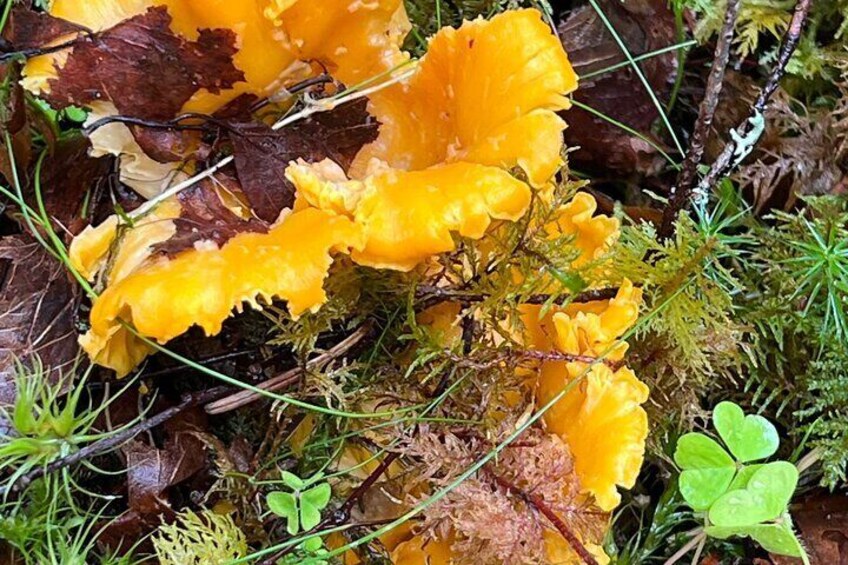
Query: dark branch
(113,442)
(206,121)
(746,136)
(37,52)
(505,355)
(681,194)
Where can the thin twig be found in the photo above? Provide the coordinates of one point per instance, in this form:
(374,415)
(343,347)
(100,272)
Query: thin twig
(112,442)
(696,540)
(503,356)
(211,360)
(745,137)
(539,504)
(39,51)
(177,124)
(342,515)
(290,377)
(430,295)
(681,193)
(697,557)
(314,107)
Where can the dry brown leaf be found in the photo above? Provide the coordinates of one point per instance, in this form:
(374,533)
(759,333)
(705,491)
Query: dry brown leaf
(262,155)
(644,25)
(204,217)
(28,29)
(14,120)
(144,69)
(151,471)
(823,523)
(38,302)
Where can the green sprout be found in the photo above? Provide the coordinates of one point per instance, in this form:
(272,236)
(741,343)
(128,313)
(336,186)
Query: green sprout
(736,496)
(46,421)
(312,547)
(302,507)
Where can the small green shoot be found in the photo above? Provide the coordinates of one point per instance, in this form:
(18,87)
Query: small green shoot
(302,507)
(311,547)
(735,497)
(46,423)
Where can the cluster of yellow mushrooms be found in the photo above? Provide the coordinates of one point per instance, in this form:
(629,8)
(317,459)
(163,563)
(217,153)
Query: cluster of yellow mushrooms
(481,103)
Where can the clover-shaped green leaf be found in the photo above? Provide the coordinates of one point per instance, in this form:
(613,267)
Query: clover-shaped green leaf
(302,508)
(778,538)
(743,476)
(293,481)
(312,501)
(284,504)
(764,498)
(775,538)
(707,470)
(740,500)
(749,438)
(315,547)
(311,548)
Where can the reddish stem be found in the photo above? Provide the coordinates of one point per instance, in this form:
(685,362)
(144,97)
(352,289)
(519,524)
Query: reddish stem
(538,503)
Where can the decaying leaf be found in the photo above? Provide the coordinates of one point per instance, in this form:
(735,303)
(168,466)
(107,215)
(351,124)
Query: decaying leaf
(205,217)
(170,145)
(151,471)
(67,175)
(28,29)
(37,306)
(644,25)
(209,209)
(144,69)
(262,155)
(14,122)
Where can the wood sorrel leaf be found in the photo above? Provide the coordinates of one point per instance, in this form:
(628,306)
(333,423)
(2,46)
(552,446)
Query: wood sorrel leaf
(775,538)
(778,538)
(312,502)
(309,515)
(764,498)
(749,438)
(293,481)
(284,504)
(707,470)
(743,476)
(318,496)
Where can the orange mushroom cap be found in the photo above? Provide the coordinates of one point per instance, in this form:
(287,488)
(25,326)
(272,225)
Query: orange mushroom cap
(407,217)
(485,93)
(448,132)
(601,419)
(163,298)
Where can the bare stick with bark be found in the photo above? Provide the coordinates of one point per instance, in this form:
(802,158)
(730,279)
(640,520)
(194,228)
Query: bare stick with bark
(745,137)
(681,194)
(539,504)
(290,377)
(115,441)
